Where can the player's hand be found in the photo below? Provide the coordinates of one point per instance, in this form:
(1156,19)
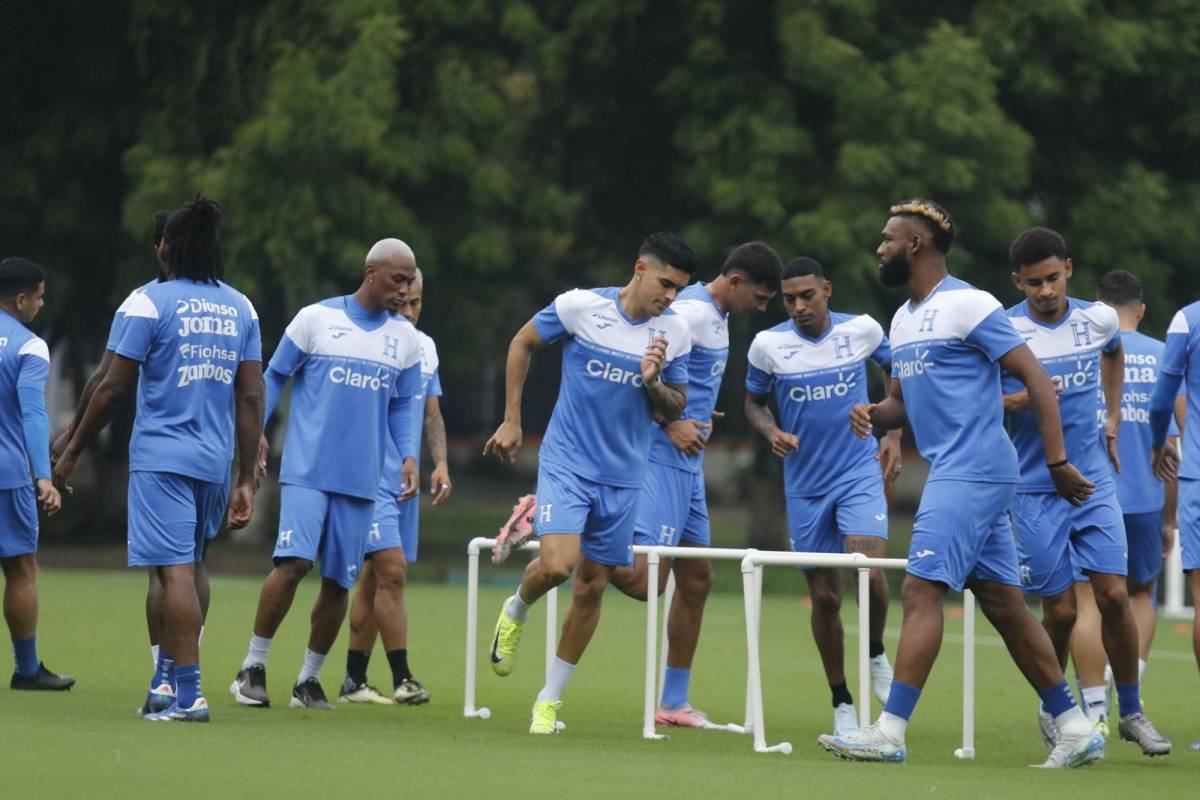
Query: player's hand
(1168,540)
(63,468)
(860,419)
(439,484)
(1111,427)
(783,443)
(889,458)
(59,446)
(1019,401)
(689,435)
(410,479)
(505,442)
(241,507)
(654,359)
(48,497)
(1165,462)
(1070,484)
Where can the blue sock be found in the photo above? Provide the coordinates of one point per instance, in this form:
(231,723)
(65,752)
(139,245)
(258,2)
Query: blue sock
(675,686)
(25,651)
(1129,698)
(902,700)
(1057,699)
(165,672)
(189,685)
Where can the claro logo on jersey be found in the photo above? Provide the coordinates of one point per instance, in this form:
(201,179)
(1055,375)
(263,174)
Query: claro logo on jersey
(911,367)
(612,373)
(1083,374)
(358,380)
(203,316)
(808,393)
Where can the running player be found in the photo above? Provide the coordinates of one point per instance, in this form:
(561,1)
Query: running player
(1148,509)
(624,368)
(672,509)
(195,342)
(24,441)
(815,365)
(1077,343)
(357,366)
(948,343)
(378,606)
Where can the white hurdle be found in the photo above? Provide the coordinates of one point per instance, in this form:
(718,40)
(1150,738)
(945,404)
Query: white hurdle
(474,548)
(752,601)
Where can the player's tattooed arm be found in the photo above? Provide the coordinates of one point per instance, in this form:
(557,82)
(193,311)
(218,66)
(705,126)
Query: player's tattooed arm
(1043,401)
(1112,378)
(506,441)
(435,439)
(759,415)
(667,400)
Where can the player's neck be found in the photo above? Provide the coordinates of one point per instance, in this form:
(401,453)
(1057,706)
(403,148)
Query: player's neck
(924,278)
(817,328)
(1128,319)
(719,289)
(630,306)
(366,301)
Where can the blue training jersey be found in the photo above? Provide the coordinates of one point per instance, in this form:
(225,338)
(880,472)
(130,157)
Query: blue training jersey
(1069,350)
(118,324)
(709,329)
(190,338)
(601,426)
(352,371)
(431,386)
(24,367)
(816,382)
(1181,366)
(1138,491)
(944,353)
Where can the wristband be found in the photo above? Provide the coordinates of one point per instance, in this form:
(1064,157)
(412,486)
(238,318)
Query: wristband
(1058,464)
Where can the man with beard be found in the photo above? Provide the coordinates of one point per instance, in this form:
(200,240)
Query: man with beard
(948,344)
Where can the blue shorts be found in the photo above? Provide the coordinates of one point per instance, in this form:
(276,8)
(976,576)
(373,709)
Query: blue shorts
(1189,523)
(18,521)
(324,526)
(1056,539)
(962,533)
(854,508)
(395,525)
(1144,535)
(671,507)
(171,516)
(601,514)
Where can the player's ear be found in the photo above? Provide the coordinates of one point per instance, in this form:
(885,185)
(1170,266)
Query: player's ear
(1016,279)
(1068,268)
(828,289)
(1141,312)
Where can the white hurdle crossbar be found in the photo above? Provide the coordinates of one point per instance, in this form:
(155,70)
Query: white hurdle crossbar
(474,548)
(752,600)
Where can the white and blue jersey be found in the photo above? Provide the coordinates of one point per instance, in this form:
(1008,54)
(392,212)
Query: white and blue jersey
(1138,491)
(189,337)
(118,324)
(355,376)
(1181,366)
(1069,350)
(815,383)
(601,426)
(24,434)
(944,354)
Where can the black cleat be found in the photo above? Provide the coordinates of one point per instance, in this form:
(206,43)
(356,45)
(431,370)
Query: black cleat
(43,681)
(310,695)
(250,687)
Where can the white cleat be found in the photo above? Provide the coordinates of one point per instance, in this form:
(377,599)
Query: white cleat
(1075,750)
(881,678)
(1049,729)
(865,744)
(845,720)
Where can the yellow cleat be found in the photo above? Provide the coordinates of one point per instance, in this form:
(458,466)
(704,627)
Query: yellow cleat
(1102,727)
(504,641)
(545,717)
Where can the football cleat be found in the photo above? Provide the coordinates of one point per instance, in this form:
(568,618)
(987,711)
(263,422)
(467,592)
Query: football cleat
(42,681)
(516,531)
(309,694)
(352,692)
(681,716)
(504,641)
(544,719)
(865,744)
(1136,728)
(410,692)
(249,688)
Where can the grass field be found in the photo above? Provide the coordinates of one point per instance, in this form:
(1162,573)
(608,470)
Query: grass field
(89,743)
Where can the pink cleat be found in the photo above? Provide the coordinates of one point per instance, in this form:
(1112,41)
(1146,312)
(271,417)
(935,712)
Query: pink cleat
(683,716)
(516,531)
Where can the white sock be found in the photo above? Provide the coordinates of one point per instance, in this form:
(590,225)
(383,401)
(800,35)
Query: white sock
(556,681)
(257,654)
(1141,669)
(1073,722)
(1095,702)
(517,609)
(200,639)
(154,655)
(312,666)
(892,727)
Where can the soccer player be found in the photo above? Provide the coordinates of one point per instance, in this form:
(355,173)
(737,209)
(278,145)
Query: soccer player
(948,343)
(24,441)
(624,368)
(195,342)
(815,366)
(1147,506)
(357,365)
(1078,345)
(672,509)
(378,606)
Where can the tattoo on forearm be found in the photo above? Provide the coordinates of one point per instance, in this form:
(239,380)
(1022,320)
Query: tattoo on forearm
(435,438)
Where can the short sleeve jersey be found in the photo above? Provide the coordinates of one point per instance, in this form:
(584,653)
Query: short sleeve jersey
(601,426)
(190,337)
(118,323)
(1138,491)
(815,383)
(1181,358)
(709,329)
(945,353)
(431,386)
(24,364)
(345,370)
(1069,350)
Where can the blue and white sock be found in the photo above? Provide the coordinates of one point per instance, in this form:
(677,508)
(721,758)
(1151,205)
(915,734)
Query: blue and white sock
(675,687)
(25,654)
(1129,698)
(154,656)
(188,677)
(164,672)
(901,702)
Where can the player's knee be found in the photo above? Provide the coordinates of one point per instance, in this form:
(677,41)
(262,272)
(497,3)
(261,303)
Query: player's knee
(920,595)
(1060,617)
(20,569)
(293,570)
(391,578)
(695,585)
(556,570)
(826,599)
(1112,599)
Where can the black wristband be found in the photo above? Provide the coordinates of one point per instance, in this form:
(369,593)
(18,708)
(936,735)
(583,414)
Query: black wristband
(1058,464)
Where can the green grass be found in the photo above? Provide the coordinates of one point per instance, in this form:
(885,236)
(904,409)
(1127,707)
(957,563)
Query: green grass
(89,743)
